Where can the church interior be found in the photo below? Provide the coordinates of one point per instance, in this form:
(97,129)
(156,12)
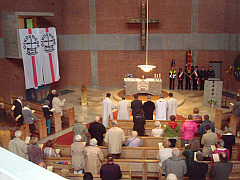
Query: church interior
(98,48)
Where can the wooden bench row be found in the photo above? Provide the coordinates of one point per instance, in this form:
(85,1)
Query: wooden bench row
(132,152)
(149,123)
(128,131)
(138,168)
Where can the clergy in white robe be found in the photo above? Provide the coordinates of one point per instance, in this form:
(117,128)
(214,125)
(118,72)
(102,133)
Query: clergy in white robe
(107,107)
(123,107)
(161,109)
(172,106)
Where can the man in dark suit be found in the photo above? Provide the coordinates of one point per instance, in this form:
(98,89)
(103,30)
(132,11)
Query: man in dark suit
(96,129)
(50,98)
(202,77)
(17,112)
(110,170)
(3,113)
(195,78)
(210,73)
(221,170)
(148,108)
(135,104)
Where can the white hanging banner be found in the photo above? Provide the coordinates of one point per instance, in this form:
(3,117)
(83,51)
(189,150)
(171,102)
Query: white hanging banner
(30,44)
(48,43)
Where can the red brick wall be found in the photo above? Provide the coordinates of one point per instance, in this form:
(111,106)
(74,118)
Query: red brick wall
(227,58)
(111,17)
(211,17)
(112,70)
(11,78)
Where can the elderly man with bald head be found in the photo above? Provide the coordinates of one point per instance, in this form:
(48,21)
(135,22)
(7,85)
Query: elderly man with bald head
(114,138)
(175,165)
(96,129)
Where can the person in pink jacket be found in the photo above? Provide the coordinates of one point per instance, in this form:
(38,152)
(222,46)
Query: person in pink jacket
(189,127)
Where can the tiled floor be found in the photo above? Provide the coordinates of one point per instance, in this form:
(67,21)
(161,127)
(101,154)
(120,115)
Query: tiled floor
(188,99)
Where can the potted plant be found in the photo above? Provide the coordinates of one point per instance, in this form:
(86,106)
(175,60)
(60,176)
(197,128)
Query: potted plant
(212,102)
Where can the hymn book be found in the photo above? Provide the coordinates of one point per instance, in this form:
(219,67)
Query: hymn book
(213,148)
(215,158)
(160,146)
(27,140)
(52,109)
(57,151)
(50,168)
(13,107)
(33,111)
(18,117)
(40,145)
(195,156)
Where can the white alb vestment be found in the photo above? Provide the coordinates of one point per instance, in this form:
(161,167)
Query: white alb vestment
(161,109)
(123,107)
(172,107)
(107,106)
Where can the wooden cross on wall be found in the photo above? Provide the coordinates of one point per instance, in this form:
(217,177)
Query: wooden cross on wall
(143,21)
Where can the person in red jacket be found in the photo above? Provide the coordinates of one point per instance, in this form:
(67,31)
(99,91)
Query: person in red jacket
(188,129)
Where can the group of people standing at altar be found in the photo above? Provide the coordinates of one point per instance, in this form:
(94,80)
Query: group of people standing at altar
(140,111)
(193,78)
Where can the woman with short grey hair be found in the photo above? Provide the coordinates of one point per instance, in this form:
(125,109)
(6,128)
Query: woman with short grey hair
(93,158)
(77,153)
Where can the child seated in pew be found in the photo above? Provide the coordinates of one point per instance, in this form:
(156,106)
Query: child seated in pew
(157,132)
(134,141)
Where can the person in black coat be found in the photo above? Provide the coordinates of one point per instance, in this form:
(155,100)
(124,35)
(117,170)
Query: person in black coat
(229,141)
(198,170)
(148,108)
(135,104)
(96,129)
(3,113)
(180,79)
(139,122)
(18,110)
(50,98)
(110,171)
(195,77)
(47,114)
(202,77)
(210,73)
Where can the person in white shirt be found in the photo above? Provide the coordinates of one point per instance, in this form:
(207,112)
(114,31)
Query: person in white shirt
(107,107)
(57,104)
(123,107)
(157,132)
(172,106)
(161,108)
(164,153)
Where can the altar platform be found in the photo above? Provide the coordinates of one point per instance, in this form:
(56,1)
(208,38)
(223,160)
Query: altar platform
(151,86)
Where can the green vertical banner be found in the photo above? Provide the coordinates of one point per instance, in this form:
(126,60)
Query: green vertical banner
(29,23)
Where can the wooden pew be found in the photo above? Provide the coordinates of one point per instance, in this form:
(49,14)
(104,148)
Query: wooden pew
(149,123)
(234,121)
(95,177)
(25,131)
(128,131)
(41,127)
(5,137)
(131,152)
(69,117)
(57,122)
(138,168)
(218,119)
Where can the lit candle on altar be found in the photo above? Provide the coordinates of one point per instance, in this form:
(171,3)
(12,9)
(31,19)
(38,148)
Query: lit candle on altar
(154,76)
(159,75)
